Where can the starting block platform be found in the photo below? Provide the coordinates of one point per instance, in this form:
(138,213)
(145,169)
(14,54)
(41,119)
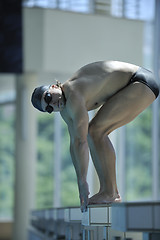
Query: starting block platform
(97,215)
(118,221)
(143,217)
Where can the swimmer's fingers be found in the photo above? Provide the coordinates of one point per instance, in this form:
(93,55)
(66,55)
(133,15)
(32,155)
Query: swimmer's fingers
(84,192)
(84,203)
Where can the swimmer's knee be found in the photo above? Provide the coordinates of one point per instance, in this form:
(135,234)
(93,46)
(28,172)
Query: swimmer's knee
(96,131)
(93,130)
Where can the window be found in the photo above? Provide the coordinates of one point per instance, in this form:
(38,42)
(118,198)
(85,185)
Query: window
(48,166)
(7,145)
(139,157)
(7,157)
(45,150)
(69,187)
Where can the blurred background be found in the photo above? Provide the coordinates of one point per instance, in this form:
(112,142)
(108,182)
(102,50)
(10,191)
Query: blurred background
(44,40)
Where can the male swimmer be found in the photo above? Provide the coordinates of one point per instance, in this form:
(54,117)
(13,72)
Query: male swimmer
(120,91)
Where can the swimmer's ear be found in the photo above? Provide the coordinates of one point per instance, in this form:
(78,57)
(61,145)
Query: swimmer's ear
(58,84)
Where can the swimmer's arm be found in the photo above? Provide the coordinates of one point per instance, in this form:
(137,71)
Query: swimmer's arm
(78,130)
(79,152)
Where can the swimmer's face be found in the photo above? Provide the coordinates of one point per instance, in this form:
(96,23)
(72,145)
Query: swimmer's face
(52,99)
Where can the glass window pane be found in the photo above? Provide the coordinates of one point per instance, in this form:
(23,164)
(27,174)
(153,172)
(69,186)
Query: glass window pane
(7,156)
(159,157)
(45,149)
(139,157)
(69,188)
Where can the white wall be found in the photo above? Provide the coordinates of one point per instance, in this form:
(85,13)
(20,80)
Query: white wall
(58,41)
(33,43)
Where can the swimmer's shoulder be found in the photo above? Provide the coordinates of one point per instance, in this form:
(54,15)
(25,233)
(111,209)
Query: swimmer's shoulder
(90,69)
(100,68)
(107,66)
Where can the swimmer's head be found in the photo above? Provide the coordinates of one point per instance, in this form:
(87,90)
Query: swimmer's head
(37,96)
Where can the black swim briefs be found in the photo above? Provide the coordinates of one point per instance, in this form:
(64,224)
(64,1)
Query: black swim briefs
(145,76)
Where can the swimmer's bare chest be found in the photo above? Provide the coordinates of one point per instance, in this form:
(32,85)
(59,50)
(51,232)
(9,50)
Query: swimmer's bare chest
(97,82)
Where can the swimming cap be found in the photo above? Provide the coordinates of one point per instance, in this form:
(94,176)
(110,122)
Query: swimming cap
(37,96)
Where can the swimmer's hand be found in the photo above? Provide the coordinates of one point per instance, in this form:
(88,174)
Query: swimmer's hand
(84,192)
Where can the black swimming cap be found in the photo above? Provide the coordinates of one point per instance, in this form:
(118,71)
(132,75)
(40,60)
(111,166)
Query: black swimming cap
(37,96)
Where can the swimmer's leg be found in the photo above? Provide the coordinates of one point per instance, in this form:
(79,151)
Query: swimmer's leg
(104,162)
(119,110)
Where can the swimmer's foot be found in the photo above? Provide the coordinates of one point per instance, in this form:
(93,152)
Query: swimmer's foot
(103,198)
